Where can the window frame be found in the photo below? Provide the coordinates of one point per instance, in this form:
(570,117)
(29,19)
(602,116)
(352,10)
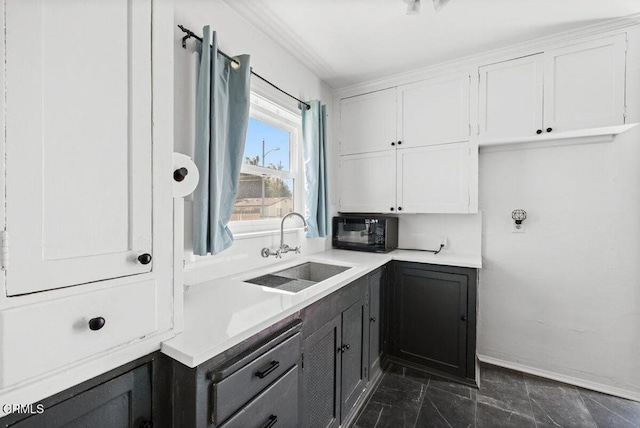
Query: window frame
(274,115)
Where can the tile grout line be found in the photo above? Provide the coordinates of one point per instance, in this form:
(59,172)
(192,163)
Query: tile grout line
(526,389)
(424,394)
(604,407)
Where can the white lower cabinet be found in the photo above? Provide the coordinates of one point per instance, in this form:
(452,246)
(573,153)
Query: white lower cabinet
(368,182)
(434,179)
(43,337)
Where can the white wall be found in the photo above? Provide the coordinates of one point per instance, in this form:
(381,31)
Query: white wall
(564,297)
(236,36)
(423,232)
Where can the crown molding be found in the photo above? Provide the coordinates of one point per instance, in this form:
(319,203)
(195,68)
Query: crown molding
(262,17)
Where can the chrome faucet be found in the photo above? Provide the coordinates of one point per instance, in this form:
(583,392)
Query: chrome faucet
(284,248)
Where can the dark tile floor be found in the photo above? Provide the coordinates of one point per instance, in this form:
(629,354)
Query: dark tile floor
(407,398)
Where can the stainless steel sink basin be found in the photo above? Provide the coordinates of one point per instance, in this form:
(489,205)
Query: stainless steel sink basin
(297,278)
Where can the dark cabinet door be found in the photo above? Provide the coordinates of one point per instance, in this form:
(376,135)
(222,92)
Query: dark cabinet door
(121,402)
(375,321)
(353,355)
(429,318)
(321,376)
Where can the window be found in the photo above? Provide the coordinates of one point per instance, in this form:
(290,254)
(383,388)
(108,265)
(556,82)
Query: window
(270,182)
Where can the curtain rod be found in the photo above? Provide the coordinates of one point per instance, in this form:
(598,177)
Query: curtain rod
(191,34)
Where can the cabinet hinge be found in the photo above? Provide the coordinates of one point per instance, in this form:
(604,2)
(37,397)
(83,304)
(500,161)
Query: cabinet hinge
(478,130)
(302,361)
(624,115)
(4,249)
(365,372)
(469,130)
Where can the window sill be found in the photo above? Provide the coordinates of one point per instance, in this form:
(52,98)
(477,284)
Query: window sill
(263,233)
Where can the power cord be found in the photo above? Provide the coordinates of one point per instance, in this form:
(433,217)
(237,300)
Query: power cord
(428,251)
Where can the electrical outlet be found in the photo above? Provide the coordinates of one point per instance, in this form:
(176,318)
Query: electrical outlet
(444,241)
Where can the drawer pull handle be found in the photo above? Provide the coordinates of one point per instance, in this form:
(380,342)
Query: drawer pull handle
(271,421)
(264,373)
(96,324)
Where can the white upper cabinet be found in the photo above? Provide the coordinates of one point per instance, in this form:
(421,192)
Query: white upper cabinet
(368,182)
(368,122)
(77,141)
(581,86)
(585,85)
(434,179)
(434,111)
(511,97)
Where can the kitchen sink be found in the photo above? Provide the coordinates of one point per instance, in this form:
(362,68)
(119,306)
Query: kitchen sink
(298,278)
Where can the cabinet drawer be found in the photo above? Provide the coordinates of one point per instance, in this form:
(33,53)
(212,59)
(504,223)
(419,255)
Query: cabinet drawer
(43,337)
(276,406)
(234,391)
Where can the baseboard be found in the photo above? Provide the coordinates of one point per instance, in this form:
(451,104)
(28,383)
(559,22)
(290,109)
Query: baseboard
(606,389)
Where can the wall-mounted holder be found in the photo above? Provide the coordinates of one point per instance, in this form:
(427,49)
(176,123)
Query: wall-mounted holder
(185,175)
(518,217)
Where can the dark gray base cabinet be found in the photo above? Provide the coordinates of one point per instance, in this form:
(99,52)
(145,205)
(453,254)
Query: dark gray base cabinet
(121,398)
(376,280)
(433,317)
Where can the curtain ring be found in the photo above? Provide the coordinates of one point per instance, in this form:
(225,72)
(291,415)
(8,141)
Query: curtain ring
(235,64)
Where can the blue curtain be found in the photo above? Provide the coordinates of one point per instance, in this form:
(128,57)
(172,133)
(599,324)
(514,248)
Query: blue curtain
(315,169)
(222,116)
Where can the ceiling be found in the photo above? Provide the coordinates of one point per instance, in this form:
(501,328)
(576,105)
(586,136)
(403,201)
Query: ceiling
(346,42)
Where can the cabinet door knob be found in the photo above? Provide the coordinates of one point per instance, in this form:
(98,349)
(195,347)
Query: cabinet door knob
(146,424)
(399,208)
(391,208)
(539,131)
(96,324)
(180,174)
(399,142)
(463,317)
(549,129)
(347,346)
(372,319)
(145,258)
(393,143)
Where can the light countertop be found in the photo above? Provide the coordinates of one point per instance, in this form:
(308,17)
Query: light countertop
(221,313)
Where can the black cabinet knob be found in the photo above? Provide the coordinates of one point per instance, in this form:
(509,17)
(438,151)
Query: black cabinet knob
(146,424)
(399,208)
(539,131)
(393,143)
(391,208)
(399,142)
(347,346)
(180,174)
(372,319)
(463,317)
(96,324)
(549,129)
(145,258)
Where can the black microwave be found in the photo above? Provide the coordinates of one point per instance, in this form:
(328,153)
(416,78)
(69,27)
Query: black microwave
(365,232)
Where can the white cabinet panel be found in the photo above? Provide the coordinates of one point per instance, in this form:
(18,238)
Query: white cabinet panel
(434,179)
(585,85)
(434,111)
(78,141)
(511,98)
(368,122)
(37,339)
(368,182)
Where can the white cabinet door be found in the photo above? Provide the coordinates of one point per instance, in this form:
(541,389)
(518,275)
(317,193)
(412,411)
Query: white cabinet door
(434,179)
(368,182)
(77,141)
(511,98)
(585,85)
(434,111)
(368,122)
